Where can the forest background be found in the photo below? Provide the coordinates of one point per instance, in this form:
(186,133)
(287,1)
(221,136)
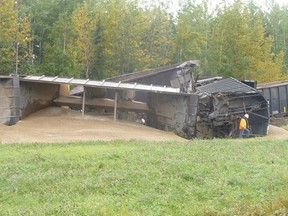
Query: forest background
(103,38)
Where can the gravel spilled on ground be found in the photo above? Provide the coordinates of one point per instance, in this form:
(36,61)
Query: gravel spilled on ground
(55,124)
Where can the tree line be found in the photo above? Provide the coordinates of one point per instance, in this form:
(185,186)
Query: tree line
(104,38)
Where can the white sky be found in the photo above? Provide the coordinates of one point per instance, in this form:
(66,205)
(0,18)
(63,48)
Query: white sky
(263,3)
(259,2)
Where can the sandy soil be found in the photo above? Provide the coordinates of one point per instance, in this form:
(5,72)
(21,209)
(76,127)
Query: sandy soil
(277,132)
(64,125)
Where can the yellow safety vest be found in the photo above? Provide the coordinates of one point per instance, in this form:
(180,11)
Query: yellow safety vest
(242,124)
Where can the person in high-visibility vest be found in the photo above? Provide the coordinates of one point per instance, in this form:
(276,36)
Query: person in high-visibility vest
(243,126)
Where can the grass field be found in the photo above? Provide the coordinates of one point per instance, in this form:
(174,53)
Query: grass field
(199,177)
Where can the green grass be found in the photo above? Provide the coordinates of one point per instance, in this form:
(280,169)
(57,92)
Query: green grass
(199,177)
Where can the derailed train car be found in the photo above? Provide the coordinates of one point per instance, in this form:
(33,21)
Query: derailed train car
(221,102)
(221,105)
(205,108)
(168,108)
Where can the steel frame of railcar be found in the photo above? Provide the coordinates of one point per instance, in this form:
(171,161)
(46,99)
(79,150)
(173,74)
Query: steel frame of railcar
(276,94)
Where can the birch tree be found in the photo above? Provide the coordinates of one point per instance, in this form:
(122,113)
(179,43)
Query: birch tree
(84,25)
(14,37)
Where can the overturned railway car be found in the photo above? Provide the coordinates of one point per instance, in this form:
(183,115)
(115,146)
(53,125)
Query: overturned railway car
(224,102)
(221,103)
(168,108)
(168,98)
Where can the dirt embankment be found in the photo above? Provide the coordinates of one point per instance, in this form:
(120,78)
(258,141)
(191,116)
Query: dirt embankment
(56,124)
(275,130)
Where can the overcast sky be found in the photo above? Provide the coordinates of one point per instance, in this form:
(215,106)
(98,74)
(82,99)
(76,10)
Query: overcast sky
(259,2)
(262,3)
